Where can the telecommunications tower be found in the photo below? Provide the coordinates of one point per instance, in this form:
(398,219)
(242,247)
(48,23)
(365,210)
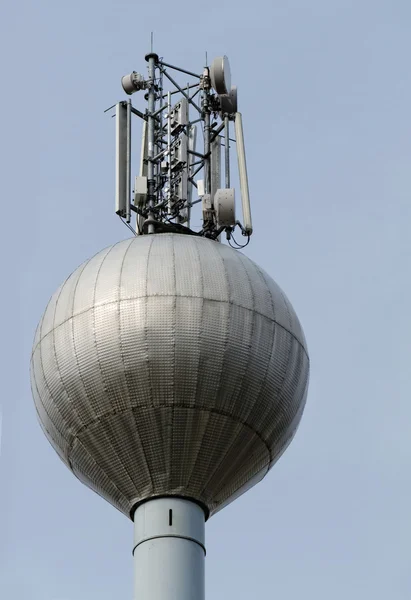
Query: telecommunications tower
(169,371)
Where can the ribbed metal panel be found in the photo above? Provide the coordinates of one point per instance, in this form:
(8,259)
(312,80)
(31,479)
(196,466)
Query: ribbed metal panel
(169,365)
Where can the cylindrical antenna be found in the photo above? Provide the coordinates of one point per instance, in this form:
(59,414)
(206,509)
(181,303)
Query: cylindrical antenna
(227,150)
(128,164)
(242,172)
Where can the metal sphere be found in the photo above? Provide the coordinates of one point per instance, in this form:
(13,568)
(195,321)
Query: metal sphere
(169,365)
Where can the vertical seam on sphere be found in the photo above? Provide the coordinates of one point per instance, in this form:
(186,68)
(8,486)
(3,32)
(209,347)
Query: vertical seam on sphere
(105,389)
(227,329)
(145,316)
(276,324)
(263,379)
(174,329)
(38,329)
(103,380)
(47,386)
(51,397)
(43,425)
(119,320)
(33,371)
(303,396)
(200,408)
(246,370)
(80,377)
(202,315)
(238,258)
(228,322)
(55,350)
(234,440)
(74,341)
(290,323)
(122,354)
(101,374)
(281,386)
(284,441)
(147,360)
(137,432)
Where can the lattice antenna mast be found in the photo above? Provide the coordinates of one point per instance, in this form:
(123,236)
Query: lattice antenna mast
(173,175)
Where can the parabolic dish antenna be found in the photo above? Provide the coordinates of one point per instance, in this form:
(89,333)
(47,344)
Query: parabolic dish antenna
(229,102)
(220,75)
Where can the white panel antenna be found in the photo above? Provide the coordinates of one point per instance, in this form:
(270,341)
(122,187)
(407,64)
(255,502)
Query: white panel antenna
(121,159)
(180,190)
(224,206)
(179,116)
(179,153)
(201,188)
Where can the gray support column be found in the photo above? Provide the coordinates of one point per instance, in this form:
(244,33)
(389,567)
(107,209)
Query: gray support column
(152,60)
(169,550)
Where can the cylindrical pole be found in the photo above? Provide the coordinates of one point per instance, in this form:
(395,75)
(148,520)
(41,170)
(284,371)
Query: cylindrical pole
(152,61)
(207,144)
(169,150)
(169,550)
(227,151)
(128,164)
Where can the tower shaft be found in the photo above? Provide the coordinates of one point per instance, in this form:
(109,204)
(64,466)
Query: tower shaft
(169,550)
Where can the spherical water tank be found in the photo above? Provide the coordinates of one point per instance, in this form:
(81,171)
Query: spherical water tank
(169,365)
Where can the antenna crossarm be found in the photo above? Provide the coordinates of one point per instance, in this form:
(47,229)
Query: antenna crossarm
(202,156)
(217,132)
(163,64)
(137,112)
(186,96)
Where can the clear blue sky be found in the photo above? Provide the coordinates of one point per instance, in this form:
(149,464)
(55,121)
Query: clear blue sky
(330,164)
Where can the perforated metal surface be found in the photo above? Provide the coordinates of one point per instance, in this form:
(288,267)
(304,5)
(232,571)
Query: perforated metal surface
(169,364)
